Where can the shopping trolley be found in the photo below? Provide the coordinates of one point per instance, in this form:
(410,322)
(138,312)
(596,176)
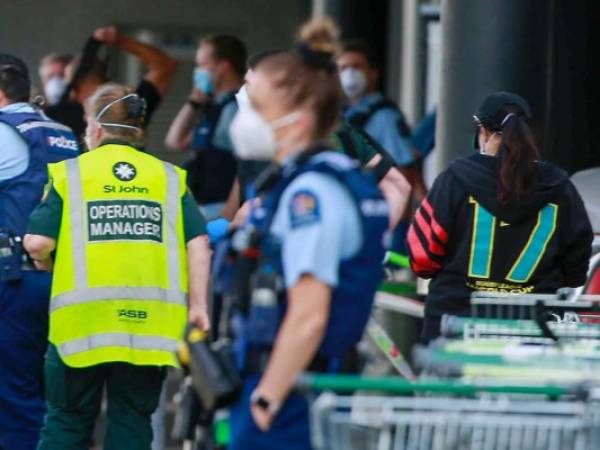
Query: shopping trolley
(501,360)
(561,307)
(469,328)
(449,415)
(533,318)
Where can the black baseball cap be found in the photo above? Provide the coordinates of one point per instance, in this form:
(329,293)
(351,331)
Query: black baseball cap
(490,112)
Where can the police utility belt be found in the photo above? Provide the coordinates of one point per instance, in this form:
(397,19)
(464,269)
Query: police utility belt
(256,363)
(12,258)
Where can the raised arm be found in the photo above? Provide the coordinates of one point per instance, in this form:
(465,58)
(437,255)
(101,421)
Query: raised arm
(396,190)
(180,134)
(161,67)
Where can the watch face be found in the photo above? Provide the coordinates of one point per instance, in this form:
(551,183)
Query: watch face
(262,403)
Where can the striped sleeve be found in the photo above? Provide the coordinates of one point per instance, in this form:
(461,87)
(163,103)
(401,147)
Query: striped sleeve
(429,232)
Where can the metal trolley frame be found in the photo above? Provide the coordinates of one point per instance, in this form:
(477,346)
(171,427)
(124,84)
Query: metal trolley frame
(434,415)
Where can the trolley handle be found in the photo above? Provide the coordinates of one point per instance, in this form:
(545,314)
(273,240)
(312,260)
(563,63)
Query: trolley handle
(541,317)
(396,259)
(396,385)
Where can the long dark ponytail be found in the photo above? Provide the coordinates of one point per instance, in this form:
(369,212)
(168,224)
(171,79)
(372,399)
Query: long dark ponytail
(517,155)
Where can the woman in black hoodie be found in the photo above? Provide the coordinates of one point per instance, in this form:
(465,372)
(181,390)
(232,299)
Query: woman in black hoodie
(500,220)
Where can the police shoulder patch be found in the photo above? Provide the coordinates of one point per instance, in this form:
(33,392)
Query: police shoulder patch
(304,209)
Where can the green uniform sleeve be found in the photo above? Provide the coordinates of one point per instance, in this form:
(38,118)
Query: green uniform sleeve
(194,223)
(351,141)
(45,219)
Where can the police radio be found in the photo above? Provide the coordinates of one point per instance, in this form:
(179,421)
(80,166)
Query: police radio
(212,367)
(11,256)
(246,247)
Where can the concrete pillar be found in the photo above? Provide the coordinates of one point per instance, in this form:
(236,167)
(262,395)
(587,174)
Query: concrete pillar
(411,88)
(487,46)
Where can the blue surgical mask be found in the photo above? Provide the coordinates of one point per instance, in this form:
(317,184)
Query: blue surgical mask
(203,81)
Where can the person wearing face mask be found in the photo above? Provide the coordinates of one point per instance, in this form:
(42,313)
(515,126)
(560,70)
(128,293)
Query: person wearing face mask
(347,139)
(370,110)
(29,140)
(381,119)
(130,261)
(318,239)
(86,72)
(500,220)
(202,124)
(52,75)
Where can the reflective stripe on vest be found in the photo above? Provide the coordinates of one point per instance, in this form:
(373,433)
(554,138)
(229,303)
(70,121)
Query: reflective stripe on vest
(83,293)
(43,124)
(86,295)
(74,346)
(117,340)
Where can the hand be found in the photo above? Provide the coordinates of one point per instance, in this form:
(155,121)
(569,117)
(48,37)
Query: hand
(262,418)
(198,317)
(242,214)
(107,35)
(197,95)
(44,265)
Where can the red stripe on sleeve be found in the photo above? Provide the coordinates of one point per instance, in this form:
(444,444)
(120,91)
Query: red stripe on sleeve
(439,231)
(434,247)
(420,260)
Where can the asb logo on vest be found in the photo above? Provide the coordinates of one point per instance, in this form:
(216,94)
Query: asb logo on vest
(124,171)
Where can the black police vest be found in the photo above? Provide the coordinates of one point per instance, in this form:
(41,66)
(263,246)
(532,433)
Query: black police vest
(361,118)
(359,276)
(212,169)
(47,142)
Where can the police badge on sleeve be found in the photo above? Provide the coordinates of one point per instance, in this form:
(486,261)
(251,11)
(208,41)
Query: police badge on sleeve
(304,209)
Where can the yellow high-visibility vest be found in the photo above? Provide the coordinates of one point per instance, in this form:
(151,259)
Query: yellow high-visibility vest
(120,285)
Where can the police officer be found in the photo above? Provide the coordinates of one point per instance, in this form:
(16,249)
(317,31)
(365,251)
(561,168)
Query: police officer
(202,124)
(379,117)
(29,140)
(347,139)
(130,249)
(325,265)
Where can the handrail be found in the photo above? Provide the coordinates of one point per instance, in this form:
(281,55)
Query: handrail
(397,385)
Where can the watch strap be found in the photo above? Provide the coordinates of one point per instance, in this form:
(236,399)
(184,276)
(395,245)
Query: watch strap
(263,403)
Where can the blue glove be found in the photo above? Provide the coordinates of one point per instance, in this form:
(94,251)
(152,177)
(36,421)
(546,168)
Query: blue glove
(217,229)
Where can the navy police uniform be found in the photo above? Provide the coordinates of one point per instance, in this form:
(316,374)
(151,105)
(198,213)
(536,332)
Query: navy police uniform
(212,168)
(24,293)
(384,122)
(300,231)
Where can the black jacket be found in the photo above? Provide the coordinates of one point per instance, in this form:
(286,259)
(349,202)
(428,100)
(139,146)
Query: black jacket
(465,240)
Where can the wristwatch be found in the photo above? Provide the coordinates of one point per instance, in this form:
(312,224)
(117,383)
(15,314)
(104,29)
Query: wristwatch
(263,403)
(196,105)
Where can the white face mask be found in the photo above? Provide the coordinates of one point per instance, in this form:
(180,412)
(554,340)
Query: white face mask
(482,149)
(354,82)
(242,97)
(253,137)
(54,89)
